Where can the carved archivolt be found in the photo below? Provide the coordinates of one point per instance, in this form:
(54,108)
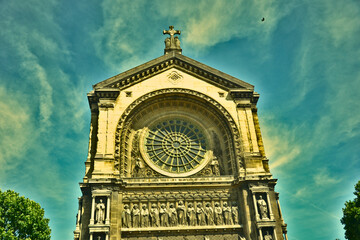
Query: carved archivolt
(124,127)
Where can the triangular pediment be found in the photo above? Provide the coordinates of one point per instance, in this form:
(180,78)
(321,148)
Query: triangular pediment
(166,62)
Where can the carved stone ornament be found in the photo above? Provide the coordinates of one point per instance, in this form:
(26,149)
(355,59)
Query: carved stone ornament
(172,43)
(174,77)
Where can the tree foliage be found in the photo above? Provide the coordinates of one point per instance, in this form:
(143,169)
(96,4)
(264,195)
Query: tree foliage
(21,218)
(351,218)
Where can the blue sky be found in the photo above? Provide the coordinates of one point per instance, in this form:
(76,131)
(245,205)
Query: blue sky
(303,60)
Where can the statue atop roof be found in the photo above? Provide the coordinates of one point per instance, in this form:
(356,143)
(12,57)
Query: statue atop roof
(172,43)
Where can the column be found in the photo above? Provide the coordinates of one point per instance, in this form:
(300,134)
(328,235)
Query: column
(255,205)
(269,205)
(245,135)
(107,220)
(260,231)
(253,137)
(274,234)
(91,236)
(285,236)
(107,236)
(78,215)
(92,211)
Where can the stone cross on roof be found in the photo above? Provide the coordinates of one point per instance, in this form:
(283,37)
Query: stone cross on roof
(172,43)
(171,31)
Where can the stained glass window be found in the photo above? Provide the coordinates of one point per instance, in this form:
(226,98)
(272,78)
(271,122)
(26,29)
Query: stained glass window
(176,145)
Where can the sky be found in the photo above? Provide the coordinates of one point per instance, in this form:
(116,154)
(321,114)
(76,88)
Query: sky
(303,60)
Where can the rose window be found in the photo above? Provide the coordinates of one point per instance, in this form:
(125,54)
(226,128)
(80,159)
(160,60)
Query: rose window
(175,146)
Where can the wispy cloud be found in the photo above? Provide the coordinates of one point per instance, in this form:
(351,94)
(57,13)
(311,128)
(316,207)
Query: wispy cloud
(207,23)
(323,178)
(281,143)
(46,109)
(15,130)
(120,41)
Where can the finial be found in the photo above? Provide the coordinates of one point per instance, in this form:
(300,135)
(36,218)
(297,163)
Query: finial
(172,43)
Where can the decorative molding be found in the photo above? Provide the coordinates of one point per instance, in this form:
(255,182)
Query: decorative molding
(174,77)
(203,72)
(106,105)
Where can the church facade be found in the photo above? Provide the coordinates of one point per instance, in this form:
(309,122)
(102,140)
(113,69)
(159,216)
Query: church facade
(175,153)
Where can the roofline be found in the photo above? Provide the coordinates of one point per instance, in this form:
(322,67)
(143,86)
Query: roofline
(169,60)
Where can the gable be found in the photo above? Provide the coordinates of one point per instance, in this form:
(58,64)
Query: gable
(166,62)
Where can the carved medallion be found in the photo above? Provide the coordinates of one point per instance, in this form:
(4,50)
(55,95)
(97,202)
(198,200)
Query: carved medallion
(174,77)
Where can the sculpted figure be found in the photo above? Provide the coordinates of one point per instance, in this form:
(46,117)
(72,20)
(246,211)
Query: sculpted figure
(167,43)
(262,208)
(135,216)
(177,42)
(215,167)
(126,216)
(173,41)
(137,168)
(209,214)
(268,236)
(218,214)
(100,212)
(144,216)
(172,216)
(235,213)
(163,216)
(181,213)
(200,215)
(227,214)
(191,215)
(154,216)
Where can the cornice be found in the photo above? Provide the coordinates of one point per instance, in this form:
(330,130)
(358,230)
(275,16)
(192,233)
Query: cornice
(168,61)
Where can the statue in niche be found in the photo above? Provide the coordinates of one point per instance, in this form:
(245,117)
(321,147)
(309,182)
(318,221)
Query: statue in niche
(164,220)
(173,219)
(215,167)
(144,216)
(209,214)
(200,215)
(100,212)
(191,215)
(154,216)
(135,216)
(235,213)
(137,168)
(262,208)
(227,214)
(218,152)
(181,213)
(218,214)
(268,236)
(126,216)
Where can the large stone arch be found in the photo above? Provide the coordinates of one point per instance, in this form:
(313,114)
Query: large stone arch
(202,103)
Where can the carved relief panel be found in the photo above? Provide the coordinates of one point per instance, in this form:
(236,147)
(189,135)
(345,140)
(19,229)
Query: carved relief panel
(149,210)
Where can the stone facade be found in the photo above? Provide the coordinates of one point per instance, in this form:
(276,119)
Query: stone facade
(175,152)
